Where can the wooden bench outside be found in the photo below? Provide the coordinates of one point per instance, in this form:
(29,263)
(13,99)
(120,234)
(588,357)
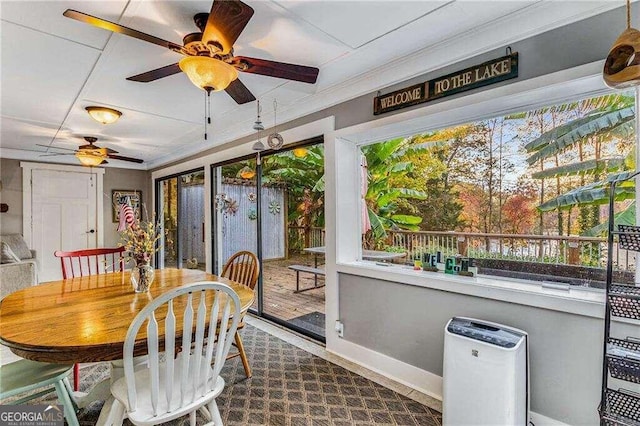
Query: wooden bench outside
(308,269)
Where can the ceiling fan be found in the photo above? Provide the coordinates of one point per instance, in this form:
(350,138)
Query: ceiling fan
(209,60)
(92,155)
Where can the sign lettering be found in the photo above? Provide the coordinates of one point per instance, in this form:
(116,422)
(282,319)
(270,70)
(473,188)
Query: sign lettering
(480,75)
(398,99)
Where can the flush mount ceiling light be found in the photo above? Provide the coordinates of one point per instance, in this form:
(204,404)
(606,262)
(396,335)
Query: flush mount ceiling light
(103,115)
(622,66)
(208,73)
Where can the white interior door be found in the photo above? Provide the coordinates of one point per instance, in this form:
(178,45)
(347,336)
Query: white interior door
(64,216)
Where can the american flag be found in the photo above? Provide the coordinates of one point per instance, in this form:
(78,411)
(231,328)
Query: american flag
(126,216)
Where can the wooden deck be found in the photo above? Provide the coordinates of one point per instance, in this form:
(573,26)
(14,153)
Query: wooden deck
(280,283)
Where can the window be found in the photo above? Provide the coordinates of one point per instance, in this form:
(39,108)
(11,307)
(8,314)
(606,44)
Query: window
(522,195)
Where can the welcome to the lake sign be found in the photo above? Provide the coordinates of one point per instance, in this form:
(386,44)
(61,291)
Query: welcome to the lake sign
(480,75)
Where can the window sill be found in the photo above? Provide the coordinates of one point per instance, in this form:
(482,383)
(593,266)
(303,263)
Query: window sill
(576,300)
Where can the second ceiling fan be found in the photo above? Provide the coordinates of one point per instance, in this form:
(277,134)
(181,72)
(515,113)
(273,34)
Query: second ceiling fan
(209,60)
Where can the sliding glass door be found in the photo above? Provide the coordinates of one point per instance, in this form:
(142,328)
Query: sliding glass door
(180,205)
(234,211)
(283,223)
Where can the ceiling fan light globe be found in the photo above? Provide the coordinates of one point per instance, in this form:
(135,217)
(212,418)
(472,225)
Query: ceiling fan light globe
(103,115)
(89,159)
(208,73)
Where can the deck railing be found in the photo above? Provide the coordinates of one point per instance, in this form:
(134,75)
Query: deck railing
(301,237)
(550,249)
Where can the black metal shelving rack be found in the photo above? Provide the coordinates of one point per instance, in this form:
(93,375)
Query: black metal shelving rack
(621,357)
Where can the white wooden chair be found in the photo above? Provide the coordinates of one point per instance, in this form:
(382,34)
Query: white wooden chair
(185,383)
(23,376)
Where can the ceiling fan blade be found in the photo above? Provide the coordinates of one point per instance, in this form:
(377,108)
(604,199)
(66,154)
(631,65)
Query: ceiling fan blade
(239,92)
(277,69)
(122,158)
(56,154)
(226,21)
(55,147)
(106,151)
(156,74)
(116,28)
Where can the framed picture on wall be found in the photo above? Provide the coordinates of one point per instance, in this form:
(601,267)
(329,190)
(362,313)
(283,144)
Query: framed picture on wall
(119,196)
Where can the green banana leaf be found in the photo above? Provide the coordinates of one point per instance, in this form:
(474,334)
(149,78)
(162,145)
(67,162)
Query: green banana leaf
(583,168)
(377,228)
(319,186)
(403,219)
(587,196)
(553,134)
(580,130)
(594,193)
(626,217)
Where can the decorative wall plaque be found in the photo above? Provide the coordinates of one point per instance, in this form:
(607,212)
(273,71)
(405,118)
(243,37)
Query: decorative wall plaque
(489,72)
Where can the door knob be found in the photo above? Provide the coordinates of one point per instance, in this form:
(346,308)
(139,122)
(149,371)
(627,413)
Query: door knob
(91,231)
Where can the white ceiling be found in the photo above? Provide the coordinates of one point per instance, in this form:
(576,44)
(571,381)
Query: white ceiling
(52,67)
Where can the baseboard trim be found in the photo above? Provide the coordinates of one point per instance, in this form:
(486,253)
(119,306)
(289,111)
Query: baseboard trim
(391,368)
(409,375)
(540,420)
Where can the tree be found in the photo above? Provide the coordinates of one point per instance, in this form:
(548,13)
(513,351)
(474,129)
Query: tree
(437,173)
(384,167)
(519,213)
(600,128)
(304,179)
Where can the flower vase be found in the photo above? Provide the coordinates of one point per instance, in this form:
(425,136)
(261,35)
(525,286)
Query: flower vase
(141,277)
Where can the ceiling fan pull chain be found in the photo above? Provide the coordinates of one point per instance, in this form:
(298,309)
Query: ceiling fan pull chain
(207,111)
(205,116)
(209,106)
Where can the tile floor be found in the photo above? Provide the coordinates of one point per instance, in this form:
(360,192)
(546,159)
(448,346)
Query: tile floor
(297,382)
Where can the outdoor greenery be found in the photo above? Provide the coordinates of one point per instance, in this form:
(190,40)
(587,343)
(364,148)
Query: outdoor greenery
(542,172)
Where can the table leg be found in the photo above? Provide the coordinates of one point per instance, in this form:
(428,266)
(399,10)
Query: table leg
(315,265)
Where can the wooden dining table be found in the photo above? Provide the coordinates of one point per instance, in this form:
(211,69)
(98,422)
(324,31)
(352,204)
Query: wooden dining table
(85,319)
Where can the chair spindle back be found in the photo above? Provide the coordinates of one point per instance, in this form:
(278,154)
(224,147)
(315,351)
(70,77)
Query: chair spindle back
(216,317)
(81,263)
(242,267)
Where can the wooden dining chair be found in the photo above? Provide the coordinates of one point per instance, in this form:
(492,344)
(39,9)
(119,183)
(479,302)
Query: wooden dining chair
(177,385)
(25,376)
(80,263)
(243,267)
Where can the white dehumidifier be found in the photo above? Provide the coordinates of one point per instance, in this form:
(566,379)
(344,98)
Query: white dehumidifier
(485,374)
